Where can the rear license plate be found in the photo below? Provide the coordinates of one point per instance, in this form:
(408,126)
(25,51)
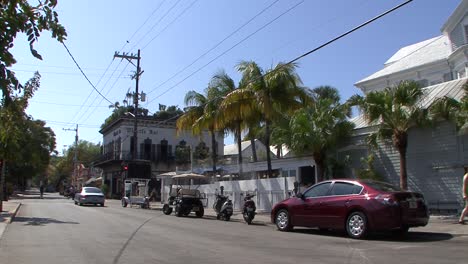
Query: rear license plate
(195,208)
(413,204)
(250,209)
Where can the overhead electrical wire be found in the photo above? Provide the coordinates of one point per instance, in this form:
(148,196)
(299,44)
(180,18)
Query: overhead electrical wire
(108,91)
(229,49)
(86,77)
(146,21)
(169,24)
(59,104)
(322,46)
(216,45)
(157,23)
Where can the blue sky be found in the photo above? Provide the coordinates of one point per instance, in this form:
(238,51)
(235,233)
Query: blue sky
(178,32)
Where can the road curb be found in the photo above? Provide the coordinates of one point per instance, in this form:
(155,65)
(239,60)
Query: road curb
(13,214)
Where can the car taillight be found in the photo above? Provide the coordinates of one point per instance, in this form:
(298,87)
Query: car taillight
(83,196)
(386,199)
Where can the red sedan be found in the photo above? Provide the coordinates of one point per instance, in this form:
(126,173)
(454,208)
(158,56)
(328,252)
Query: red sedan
(357,206)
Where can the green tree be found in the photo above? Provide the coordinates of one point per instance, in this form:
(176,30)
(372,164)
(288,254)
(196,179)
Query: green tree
(448,108)
(271,93)
(87,153)
(21,17)
(318,127)
(201,113)
(395,110)
(232,111)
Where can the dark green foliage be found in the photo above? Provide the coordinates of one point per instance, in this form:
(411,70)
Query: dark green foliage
(18,16)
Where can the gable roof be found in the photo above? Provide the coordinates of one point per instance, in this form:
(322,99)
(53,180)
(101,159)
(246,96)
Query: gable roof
(419,54)
(232,148)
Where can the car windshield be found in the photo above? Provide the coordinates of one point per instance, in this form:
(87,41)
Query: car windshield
(92,190)
(382,186)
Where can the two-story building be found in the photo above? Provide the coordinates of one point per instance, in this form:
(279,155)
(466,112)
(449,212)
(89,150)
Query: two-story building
(435,156)
(159,149)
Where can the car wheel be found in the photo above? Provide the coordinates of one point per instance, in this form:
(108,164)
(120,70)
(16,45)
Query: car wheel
(102,205)
(356,225)
(124,203)
(200,212)
(80,204)
(75,203)
(282,220)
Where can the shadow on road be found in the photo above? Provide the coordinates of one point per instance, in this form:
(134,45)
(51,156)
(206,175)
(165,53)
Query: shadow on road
(411,237)
(212,217)
(39,221)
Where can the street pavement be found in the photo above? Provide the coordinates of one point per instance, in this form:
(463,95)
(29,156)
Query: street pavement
(54,230)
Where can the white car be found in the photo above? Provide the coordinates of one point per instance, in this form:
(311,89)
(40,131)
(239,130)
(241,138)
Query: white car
(90,195)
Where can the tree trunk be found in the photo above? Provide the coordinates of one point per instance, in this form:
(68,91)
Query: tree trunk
(214,151)
(239,147)
(267,146)
(403,175)
(400,141)
(254,149)
(2,184)
(319,161)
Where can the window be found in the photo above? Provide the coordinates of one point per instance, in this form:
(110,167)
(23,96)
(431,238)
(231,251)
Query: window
(344,188)
(318,190)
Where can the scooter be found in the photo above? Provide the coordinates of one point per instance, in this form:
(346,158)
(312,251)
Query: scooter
(248,211)
(223,206)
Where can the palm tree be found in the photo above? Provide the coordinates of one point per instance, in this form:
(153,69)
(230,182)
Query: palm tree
(200,115)
(396,109)
(232,110)
(271,93)
(318,127)
(450,109)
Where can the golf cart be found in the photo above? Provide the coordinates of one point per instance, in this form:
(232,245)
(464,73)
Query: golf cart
(184,200)
(136,193)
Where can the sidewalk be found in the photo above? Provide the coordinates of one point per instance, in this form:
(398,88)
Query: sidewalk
(437,223)
(10,209)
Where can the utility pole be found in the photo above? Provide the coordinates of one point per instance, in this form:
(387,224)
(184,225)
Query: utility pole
(75,157)
(137,75)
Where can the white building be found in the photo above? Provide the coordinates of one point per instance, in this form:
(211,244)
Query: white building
(157,147)
(435,156)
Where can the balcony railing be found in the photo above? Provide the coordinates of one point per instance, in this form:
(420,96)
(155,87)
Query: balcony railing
(127,155)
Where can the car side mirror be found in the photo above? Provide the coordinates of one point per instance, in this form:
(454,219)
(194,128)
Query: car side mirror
(300,196)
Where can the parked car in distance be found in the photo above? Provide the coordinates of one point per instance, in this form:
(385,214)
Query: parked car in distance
(356,206)
(90,195)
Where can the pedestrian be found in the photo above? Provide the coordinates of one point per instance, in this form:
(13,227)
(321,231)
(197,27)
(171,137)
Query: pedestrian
(41,189)
(465,196)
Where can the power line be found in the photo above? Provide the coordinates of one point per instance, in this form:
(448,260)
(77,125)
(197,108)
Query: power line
(321,46)
(157,23)
(60,73)
(216,45)
(108,91)
(77,65)
(170,23)
(348,32)
(61,123)
(147,19)
(59,104)
(226,51)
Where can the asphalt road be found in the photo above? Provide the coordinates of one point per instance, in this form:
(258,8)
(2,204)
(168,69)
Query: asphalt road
(54,230)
